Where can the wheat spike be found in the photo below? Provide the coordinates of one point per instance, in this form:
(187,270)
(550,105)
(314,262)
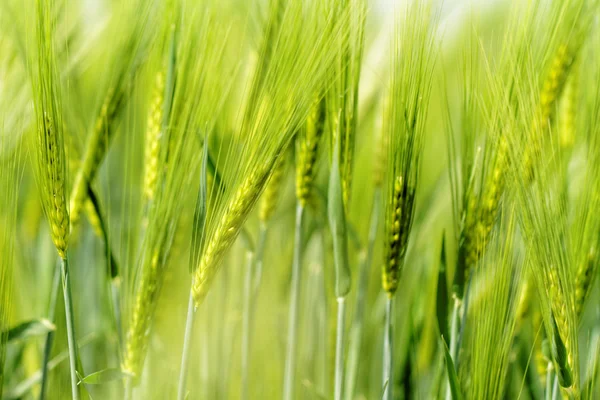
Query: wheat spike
(308,151)
(131,50)
(561,333)
(398,228)
(94,154)
(51,160)
(143,309)
(153,132)
(551,91)
(481,213)
(228,229)
(272,191)
(541,360)
(584,279)
(568,108)
(51,153)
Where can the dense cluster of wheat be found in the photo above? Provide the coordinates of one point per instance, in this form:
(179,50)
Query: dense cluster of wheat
(342,199)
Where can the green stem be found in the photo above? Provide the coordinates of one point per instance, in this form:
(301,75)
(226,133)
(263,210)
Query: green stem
(290,360)
(549,380)
(339,348)
(72,343)
(50,336)
(226,337)
(205,334)
(115,292)
(454,323)
(462,323)
(128,395)
(363,285)
(187,342)
(388,348)
(258,261)
(246,324)
(323,310)
(555,389)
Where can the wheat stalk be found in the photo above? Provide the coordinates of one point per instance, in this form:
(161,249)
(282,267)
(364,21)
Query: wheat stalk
(51,163)
(413,59)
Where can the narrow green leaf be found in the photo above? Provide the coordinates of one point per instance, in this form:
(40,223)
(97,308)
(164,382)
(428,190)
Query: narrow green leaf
(442,293)
(25,330)
(23,387)
(385,385)
(452,377)
(113,266)
(170,84)
(337,224)
(104,376)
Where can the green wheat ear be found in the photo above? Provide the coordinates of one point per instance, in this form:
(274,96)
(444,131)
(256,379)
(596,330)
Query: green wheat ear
(551,92)
(270,197)
(50,152)
(568,107)
(342,97)
(308,144)
(413,59)
(198,92)
(282,93)
(131,49)
(153,130)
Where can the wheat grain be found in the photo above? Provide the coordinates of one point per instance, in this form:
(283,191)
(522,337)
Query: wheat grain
(481,213)
(52,160)
(562,340)
(584,279)
(153,132)
(568,108)
(137,336)
(308,144)
(95,152)
(552,89)
(397,231)
(272,191)
(228,229)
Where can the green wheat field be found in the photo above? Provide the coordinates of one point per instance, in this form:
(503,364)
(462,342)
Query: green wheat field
(299,199)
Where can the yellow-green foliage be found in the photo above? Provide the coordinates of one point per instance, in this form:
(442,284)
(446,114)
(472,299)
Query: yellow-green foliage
(10,160)
(171,125)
